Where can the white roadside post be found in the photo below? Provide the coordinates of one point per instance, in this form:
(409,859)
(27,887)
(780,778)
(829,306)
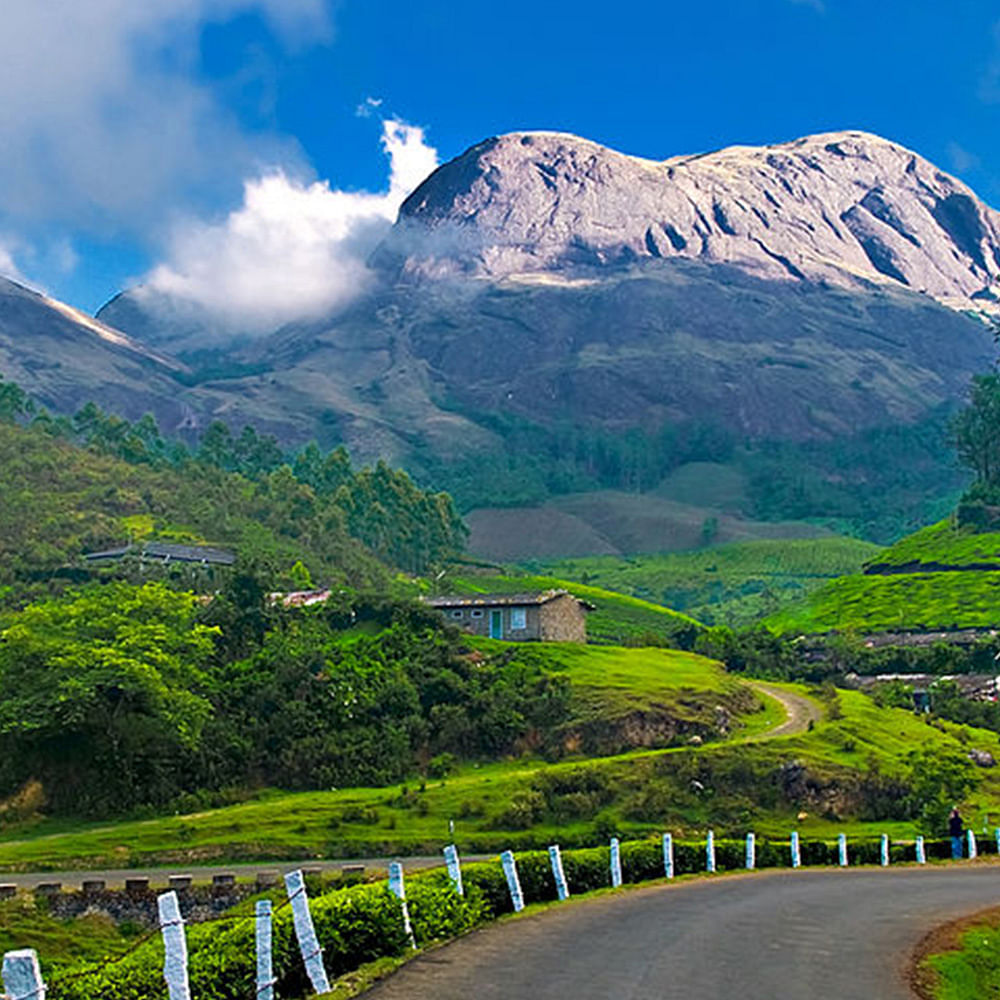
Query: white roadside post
(22,975)
(751,852)
(710,851)
(305,932)
(796,850)
(175,956)
(668,855)
(973,851)
(398,888)
(885,850)
(513,882)
(842,849)
(921,853)
(616,864)
(996,836)
(265,961)
(555,858)
(454,868)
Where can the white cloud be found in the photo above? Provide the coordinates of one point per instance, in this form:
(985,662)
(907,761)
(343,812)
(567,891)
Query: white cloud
(8,265)
(292,250)
(102,117)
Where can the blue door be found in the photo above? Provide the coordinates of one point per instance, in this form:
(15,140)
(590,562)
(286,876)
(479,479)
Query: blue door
(496,624)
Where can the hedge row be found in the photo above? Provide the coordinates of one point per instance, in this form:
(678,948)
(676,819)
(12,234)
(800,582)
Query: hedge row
(361,923)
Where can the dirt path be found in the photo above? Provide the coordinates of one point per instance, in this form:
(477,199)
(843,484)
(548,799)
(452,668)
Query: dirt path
(799,709)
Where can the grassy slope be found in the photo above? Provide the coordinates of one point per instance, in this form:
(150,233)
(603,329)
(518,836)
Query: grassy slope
(389,820)
(900,601)
(728,584)
(944,543)
(618,618)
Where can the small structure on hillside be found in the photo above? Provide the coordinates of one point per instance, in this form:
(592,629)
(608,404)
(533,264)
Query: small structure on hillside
(165,552)
(541,616)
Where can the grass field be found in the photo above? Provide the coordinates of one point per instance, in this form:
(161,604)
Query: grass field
(910,601)
(618,619)
(732,584)
(635,793)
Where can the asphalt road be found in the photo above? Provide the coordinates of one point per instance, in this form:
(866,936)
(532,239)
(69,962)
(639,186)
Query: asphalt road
(843,935)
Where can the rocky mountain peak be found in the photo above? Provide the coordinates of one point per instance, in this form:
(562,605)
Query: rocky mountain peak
(840,207)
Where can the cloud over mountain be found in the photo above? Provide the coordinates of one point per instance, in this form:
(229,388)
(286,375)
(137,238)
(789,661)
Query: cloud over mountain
(292,250)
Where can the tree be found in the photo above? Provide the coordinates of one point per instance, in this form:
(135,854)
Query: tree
(103,695)
(939,778)
(976,430)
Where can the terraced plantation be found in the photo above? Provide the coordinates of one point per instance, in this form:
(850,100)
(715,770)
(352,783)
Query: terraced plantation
(734,584)
(938,578)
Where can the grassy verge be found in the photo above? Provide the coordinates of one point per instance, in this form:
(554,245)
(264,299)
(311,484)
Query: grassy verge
(967,966)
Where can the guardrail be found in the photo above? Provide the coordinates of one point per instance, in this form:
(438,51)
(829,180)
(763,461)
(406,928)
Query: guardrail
(22,975)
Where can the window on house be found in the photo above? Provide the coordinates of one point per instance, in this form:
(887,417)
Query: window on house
(457,613)
(476,613)
(518,618)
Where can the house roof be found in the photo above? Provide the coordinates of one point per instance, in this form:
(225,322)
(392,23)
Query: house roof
(167,552)
(501,600)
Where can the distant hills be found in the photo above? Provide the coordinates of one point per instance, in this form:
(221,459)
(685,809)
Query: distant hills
(551,317)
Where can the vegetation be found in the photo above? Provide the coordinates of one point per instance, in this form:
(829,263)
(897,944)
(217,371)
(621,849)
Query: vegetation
(97,482)
(852,772)
(944,544)
(617,618)
(733,584)
(902,601)
(878,484)
(970,970)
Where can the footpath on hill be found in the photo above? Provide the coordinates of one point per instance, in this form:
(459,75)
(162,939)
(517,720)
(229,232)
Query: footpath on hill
(801,711)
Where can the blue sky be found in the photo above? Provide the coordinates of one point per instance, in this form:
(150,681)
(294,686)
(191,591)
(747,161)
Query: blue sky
(138,137)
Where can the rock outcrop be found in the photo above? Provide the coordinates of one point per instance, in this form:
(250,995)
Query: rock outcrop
(838,207)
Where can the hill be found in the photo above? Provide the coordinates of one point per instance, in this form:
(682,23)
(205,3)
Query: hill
(848,773)
(941,577)
(344,525)
(734,584)
(550,317)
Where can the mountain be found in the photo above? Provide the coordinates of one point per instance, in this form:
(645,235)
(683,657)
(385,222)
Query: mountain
(843,207)
(551,316)
(66,358)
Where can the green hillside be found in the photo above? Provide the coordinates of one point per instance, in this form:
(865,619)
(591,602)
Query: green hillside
(942,544)
(726,584)
(944,586)
(618,619)
(852,773)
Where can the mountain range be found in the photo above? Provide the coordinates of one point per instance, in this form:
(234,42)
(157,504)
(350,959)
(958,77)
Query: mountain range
(806,293)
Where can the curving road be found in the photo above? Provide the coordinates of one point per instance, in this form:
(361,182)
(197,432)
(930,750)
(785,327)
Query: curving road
(842,935)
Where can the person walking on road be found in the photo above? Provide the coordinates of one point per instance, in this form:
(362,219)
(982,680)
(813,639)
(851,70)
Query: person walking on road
(955,831)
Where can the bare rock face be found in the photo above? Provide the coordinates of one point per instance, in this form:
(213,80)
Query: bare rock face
(838,208)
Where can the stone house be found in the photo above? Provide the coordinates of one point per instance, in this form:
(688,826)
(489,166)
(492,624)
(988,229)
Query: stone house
(541,616)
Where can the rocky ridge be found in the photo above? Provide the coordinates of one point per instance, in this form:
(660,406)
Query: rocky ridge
(840,207)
